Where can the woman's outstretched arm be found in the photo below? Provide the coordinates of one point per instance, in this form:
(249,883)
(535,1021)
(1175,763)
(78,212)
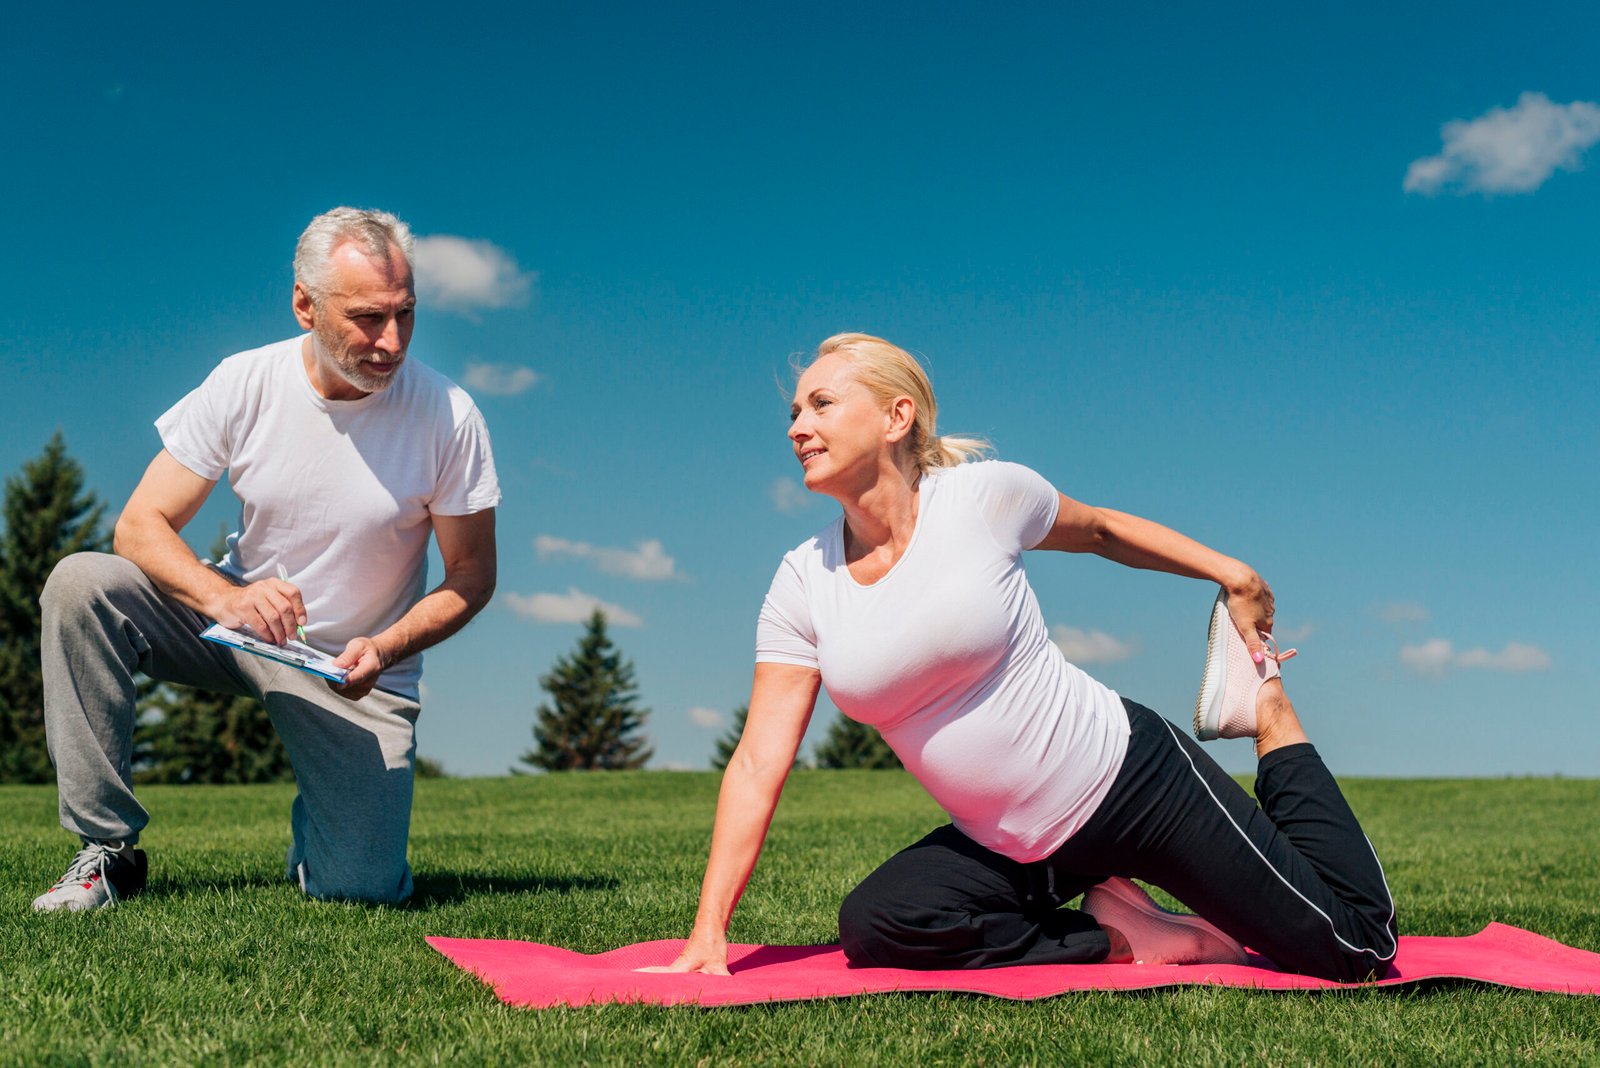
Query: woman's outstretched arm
(781,700)
(1135,542)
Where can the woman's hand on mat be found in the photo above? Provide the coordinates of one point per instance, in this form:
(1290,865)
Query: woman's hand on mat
(1251,606)
(362,659)
(704,955)
(270,608)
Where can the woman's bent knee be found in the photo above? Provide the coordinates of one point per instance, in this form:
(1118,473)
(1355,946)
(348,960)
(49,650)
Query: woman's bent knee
(862,930)
(1366,955)
(1364,965)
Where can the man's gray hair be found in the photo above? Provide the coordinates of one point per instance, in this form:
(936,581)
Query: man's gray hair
(374,232)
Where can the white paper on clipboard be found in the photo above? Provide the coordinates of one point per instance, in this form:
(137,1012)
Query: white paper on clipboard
(291,652)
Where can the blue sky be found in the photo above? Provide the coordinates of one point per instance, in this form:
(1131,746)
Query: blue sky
(1227,268)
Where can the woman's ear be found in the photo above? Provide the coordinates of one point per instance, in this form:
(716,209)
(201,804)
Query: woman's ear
(902,417)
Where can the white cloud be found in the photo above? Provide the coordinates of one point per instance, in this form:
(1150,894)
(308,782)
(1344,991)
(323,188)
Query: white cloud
(1508,150)
(1429,658)
(646,561)
(1433,657)
(574,606)
(1516,657)
(788,496)
(499,379)
(1089,646)
(709,718)
(462,275)
(1402,612)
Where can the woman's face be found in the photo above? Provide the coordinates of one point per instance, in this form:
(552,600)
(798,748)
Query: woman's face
(837,427)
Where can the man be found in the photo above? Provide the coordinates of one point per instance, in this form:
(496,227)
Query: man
(344,455)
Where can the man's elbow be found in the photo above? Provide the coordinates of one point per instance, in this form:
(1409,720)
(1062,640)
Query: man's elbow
(475,587)
(123,535)
(483,595)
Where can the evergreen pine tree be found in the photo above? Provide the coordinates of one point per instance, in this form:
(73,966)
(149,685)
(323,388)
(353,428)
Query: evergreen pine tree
(730,741)
(849,744)
(592,721)
(47,516)
(197,736)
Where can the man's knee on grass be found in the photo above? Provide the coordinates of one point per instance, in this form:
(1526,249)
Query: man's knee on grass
(368,888)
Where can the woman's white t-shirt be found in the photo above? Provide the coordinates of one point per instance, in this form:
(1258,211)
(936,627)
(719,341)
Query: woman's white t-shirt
(948,657)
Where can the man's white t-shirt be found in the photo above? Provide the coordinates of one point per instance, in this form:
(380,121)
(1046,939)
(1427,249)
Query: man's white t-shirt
(948,657)
(341,493)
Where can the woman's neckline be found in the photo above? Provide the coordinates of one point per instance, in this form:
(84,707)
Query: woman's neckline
(923,501)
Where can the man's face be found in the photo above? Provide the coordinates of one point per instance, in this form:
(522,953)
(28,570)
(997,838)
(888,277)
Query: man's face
(363,324)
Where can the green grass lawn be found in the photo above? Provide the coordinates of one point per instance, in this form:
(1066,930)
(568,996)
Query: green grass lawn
(220,961)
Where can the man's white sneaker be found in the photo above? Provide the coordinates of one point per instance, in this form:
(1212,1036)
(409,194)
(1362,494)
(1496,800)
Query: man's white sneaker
(1155,935)
(102,874)
(1226,707)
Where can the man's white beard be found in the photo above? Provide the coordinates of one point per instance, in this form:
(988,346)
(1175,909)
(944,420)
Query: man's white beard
(348,366)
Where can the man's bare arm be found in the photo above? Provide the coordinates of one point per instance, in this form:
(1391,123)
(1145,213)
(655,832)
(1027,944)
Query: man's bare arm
(466,543)
(147,533)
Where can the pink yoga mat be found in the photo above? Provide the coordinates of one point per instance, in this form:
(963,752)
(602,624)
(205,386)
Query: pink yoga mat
(538,976)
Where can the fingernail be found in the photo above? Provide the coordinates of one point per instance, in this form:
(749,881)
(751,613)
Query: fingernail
(1257,657)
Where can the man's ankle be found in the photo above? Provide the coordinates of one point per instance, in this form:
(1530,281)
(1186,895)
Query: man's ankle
(120,846)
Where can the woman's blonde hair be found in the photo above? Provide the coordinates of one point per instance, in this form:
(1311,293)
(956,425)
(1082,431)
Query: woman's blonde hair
(888,371)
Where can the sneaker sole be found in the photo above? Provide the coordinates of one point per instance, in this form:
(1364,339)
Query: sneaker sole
(1208,706)
(114,894)
(77,903)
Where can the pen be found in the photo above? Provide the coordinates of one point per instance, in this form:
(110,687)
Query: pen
(283,575)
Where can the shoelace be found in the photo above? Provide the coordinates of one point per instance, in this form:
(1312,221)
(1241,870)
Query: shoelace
(1272,649)
(91,860)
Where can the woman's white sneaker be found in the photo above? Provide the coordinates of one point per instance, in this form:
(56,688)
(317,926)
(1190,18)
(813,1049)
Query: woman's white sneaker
(1154,935)
(1226,707)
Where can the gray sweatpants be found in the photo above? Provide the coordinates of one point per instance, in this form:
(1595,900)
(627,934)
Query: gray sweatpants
(103,620)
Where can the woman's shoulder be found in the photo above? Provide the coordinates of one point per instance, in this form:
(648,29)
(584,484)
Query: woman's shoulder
(981,475)
(1016,502)
(992,466)
(808,562)
(819,545)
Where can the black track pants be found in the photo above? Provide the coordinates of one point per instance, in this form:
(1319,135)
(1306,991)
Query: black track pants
(1293,879)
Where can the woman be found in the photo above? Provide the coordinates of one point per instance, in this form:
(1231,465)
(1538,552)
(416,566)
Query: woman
(914,610)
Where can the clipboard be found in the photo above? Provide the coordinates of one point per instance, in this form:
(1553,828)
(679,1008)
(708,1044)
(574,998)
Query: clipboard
(295,654)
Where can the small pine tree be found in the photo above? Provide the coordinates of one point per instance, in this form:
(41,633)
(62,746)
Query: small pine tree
(849,744)
(592,722)
(47,516)
(197,736)
(730,741)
